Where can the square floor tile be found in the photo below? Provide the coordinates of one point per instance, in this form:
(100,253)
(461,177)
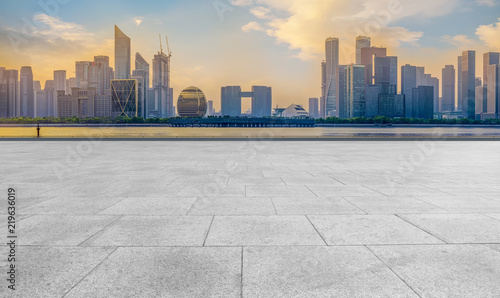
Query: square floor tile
(393,205)
(233,206)
(314,205)
(151,206)
(262,230)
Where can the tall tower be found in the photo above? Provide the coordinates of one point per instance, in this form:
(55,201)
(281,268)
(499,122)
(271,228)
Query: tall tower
(448,102)
(332,77)
(459,84)
(122,55)
(367,59)
(27,95)
(355,91)
(408,82)
(361,42)
(161,85)
(489,59)
(11,77)
(60,80)
(141,73)
(494,90)
(469,84)
(322,100)
(386,70)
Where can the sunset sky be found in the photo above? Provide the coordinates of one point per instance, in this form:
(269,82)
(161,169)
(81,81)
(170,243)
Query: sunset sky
(278,43)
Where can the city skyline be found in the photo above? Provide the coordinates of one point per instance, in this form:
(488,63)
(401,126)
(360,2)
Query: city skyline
(294,75)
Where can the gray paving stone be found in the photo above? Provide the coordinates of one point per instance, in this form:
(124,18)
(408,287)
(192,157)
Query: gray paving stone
(50,271)
(262,230)
(342,190)
(314,205)
(445,270)
(310,181)
(255,181)
(232,206)
(393,205)
(165,272)
(275,190)
(463,204)
(71,205)
(458,228)
(369,229)
(318,272)
(494,215)
(154,231)
(212,190)
(151,206)
(62,230)
(494,246)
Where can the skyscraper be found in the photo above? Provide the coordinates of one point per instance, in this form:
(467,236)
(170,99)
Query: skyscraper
(468,84)
(4,107)
(122,55)
(448,101)
(231,101)
(342,107)
(481,102)
(60,80)
(322,99)
(100,74)
(27,95)
(423,102)
(421,80)
(82,73)
(459,84)
(386,70)
(408,82)
(355,91)
(494,90)
(51,98)
(361,42)
(490,58)
(332,77)
(142,70)
(435,83)
(11,78)
(314,107)
(262,101)
(161,85)
(367,59)
(124,98)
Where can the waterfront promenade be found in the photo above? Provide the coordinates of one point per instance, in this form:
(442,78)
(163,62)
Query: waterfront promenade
(253,218)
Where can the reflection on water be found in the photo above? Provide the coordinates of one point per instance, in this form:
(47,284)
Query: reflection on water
(179,132)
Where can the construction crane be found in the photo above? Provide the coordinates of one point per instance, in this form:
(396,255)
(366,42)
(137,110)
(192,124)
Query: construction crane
(169,54)
(161,48)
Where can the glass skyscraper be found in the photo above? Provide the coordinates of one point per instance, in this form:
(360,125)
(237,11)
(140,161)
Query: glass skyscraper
(448,101)
(332,77)
(361,42)
(122,55)
(124,98)
(469,84)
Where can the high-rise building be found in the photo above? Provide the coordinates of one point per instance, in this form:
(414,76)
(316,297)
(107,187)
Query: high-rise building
(77,103)
(481,102)
(142,70)
(386,70)
(231,101)
(82,73)
(3,98)
(468,84)
(332,77)
(408,82)
(367,59)
(448,83)
(423,102)
(490,58)
(314,107)
(434,82)
(459,84)
(50,94)
(421,79)
(494,90)
(71,83)
(371,100)
(100,74)
(361,42)
(210,108)
(161,86)
(11,78)
(262,101)
(27,93)
(141,93)
(322,99)
(60,80)
(342,107)
(124,98)
(122,55)
(355,91)
(37,86)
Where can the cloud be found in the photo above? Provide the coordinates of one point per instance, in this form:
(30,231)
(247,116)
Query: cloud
(486,2)
(252,26)
(460,41)
(489,34)
(305,24)
(138,21)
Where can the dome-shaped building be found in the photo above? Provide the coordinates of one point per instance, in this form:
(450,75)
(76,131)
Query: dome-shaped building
(192,103)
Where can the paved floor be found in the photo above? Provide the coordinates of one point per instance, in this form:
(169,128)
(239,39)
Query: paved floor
(253,219)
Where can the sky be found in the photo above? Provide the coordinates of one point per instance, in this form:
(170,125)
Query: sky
(215,43)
